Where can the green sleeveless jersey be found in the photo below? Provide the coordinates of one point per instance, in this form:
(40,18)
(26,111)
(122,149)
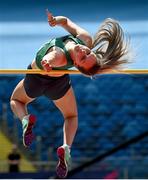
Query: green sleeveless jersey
(59,42)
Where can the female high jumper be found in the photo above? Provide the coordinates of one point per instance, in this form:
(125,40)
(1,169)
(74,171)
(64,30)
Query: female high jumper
(103,53)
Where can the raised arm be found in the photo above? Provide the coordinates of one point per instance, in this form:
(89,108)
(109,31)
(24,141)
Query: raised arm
(71,27)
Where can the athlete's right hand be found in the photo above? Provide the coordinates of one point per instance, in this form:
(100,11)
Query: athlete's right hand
(46,66)
(55,20)
(51,19)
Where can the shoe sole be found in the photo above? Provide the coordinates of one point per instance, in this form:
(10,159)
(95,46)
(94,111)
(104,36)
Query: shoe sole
(28,135)
(62,168)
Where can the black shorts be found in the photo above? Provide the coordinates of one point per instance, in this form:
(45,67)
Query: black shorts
(52,87)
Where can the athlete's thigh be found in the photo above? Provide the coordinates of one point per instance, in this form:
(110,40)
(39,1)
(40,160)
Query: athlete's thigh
(20,94)
(67,104)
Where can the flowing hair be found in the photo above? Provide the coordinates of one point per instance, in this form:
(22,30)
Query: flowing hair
(110,46)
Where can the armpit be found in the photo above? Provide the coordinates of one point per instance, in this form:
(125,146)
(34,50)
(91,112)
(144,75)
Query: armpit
(86,39)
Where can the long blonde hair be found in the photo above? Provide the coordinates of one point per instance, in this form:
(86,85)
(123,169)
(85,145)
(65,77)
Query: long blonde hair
(110,45)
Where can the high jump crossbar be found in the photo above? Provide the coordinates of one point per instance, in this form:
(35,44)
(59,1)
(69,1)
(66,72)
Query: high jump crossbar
(37,71)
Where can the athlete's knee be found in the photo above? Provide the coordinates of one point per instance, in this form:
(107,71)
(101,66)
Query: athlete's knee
(15,102)
(71,117)
(71,121)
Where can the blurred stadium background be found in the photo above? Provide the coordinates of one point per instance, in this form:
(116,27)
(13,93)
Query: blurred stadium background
(112,108)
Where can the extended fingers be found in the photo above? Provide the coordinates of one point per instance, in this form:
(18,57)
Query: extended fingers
(51,18)
(49,15)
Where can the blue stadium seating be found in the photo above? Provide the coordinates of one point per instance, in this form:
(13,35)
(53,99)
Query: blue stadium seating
(112,109)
